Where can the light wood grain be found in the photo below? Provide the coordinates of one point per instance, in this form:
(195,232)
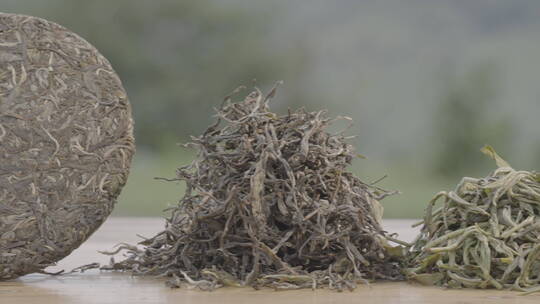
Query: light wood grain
(105,287)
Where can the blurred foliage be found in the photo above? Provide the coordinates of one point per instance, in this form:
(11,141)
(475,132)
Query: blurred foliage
(464,122)
(178,59)
(374,61)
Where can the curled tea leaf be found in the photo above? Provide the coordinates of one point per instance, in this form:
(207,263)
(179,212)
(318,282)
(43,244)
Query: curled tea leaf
(489,151)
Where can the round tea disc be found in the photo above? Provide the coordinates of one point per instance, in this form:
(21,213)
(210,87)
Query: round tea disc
(66,142)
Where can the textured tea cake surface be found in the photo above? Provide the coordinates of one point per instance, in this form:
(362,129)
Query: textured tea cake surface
(65,142)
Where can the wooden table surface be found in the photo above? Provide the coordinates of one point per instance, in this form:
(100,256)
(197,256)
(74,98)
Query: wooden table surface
(105,287)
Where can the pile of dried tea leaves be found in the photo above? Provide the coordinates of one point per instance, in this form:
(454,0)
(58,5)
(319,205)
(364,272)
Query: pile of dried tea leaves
(485,235)
(269,203)
(66,142)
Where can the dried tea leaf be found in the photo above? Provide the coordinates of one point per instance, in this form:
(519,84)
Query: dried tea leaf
(489,151)
(427,279)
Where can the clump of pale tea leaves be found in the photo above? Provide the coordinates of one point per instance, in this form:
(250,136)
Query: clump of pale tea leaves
(485,235)
(269,203)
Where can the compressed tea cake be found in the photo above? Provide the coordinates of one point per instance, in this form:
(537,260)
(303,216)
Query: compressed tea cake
(66,142)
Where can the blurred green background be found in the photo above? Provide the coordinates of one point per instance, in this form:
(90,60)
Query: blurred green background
(428,82)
